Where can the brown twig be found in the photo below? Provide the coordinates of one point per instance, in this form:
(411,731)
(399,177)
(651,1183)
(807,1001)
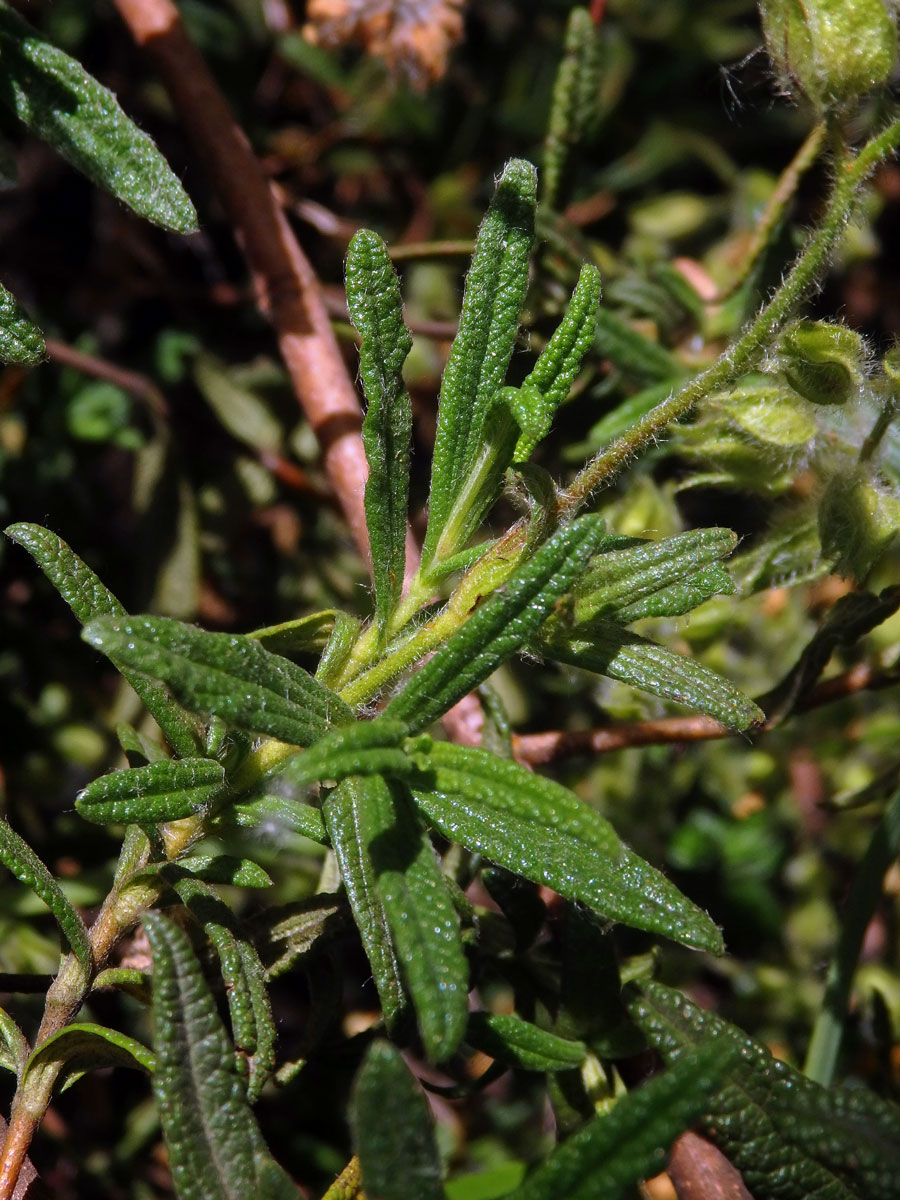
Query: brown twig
(699,1171)
(285,284)
(536,748)
(100,368)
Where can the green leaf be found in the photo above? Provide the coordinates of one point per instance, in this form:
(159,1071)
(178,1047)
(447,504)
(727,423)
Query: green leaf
(20,339)
(239,409)
(85,1047)
(422,918)
(575,94)
(20,860)
(352,821)
(492,1184)
(559,362)
(611,1153)
(285,935)
(136,983)
(540,830)
(303,635)
(14,1048)
(89,599)
(161,791)
(654,578)
(393,1130)
(611,650)
(225,868)
(640,357)
(337,649)
(499,627)
(57,99)
(520,1044)
(224,675)
(270,814)
(376,310)
(215,1148)
(242,973)
(363,748)
(790,1138)
(483,346)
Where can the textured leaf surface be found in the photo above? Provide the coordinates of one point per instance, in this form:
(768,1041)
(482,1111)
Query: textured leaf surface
(285,935)
(790,1138)
(21,861)
(611,1153)
(215,1147)
(611,650)
(161,791)
(225,675)
(20,339)
(499,628)
(560,360)
(520,1044)
(363,748)
(540,830)
(624,584)
(86,1046)
(14,1046)
(393,1130)
(483,346)
(88,599)
(60,102)
(376,310)
(352,821)
(226,868)
(272,814)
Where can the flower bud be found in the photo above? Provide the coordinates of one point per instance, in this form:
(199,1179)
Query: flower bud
(834,50)
(822,362)
(858,520)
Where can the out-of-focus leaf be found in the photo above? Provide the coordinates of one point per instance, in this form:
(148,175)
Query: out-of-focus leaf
(226,675)
(84,1047)
(610,650)
(575,97)
(161,791)
(20,339)
(498,628)
(790,1138)
(20,860)
(216,1151)
(240,410)
(60,102)
(89,599)
(395,1139)
(611,1153)
(483,346)
(520,1044)
(536,828)
(645,360)
(373,298)
(283,936)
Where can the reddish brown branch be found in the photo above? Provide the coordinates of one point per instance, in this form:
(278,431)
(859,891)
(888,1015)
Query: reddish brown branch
(100,368)
(286,287)
(701,1172)
(535,748)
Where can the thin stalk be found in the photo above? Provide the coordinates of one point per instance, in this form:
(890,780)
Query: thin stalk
(882,424)
(822,1056)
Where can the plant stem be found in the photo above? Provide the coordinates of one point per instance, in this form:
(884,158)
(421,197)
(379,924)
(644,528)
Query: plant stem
(755,340)
(825,1043)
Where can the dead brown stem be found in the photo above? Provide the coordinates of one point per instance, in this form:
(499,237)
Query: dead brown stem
(285,284)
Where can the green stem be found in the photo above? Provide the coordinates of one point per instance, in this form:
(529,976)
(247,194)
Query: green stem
(879,429)
(756,339)
(821,1058)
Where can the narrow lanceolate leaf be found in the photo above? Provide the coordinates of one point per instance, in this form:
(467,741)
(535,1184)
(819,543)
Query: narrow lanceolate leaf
(790,1138)
(161,791)
(499,628)
(85,1047)
(611,650)
(89,599)
(215,1148)
(376,310)
(352,821)
(560,360)
(14,1046)
(393,1130)
(271,815)
(495,291)
(225,868)
(540,830)
(20,339)
(252,1025)
(612,1152)
(285,935)
(363,748)
(223,675)
(20,860)
(520,1044)
(644,579)
(422,919)
(60,102)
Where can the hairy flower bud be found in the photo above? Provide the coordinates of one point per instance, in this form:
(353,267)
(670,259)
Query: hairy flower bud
(834,50)
(822,362)
(858,520)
